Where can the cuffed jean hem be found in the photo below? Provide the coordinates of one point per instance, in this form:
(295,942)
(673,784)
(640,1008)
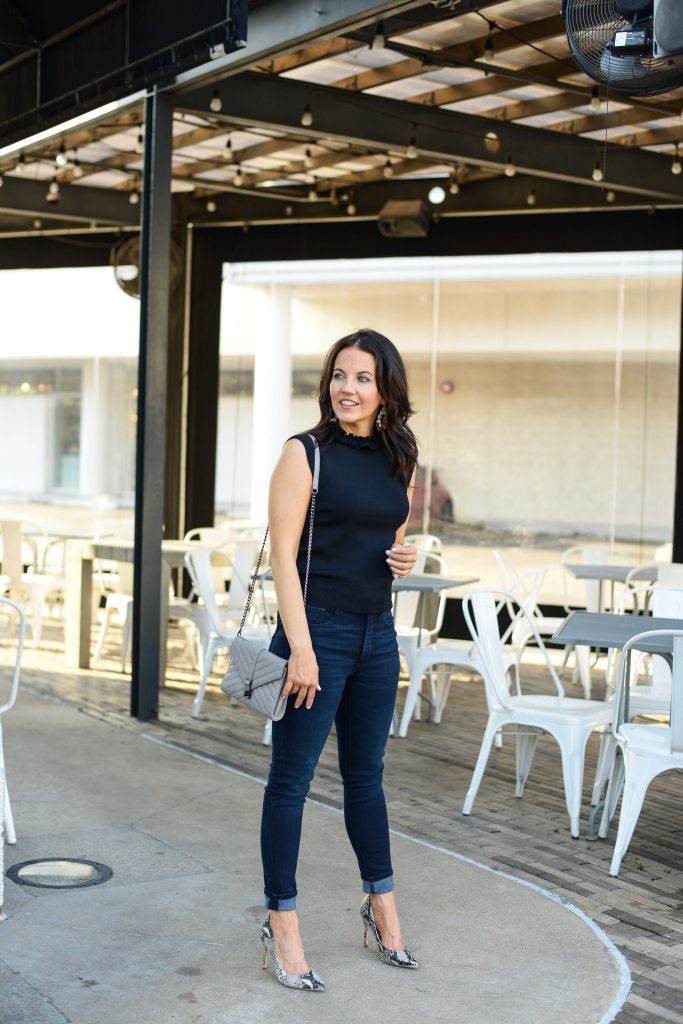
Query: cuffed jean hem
(271,903)
(383,885)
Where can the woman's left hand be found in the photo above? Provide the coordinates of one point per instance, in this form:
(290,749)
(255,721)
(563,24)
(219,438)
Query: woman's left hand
(401,559)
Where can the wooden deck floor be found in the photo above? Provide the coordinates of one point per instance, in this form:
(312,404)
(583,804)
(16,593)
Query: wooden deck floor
(426,779)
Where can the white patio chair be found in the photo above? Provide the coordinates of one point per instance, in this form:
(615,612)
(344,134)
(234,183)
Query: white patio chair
(569,720)
(118,608)
(647,749)
(441,657)
(649,691)
(6,818)
(409,632)
(34,588)
(216,630)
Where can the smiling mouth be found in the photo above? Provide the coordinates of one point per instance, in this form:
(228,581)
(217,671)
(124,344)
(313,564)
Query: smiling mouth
(348,404)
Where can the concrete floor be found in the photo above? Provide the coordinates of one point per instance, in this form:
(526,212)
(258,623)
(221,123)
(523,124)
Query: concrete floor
(173,936)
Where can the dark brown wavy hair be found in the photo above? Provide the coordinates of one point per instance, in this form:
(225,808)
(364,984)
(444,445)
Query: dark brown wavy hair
(392,384)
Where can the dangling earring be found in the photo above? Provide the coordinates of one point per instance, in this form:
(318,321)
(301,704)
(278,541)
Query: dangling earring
(381,420)
(333,418)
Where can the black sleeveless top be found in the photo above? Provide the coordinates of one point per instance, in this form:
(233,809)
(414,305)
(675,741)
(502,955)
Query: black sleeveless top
(359,508)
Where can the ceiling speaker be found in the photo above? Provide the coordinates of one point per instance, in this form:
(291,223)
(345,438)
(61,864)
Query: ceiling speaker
(404,219)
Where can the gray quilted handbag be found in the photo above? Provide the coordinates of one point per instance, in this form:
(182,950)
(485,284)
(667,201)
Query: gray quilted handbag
(257,677)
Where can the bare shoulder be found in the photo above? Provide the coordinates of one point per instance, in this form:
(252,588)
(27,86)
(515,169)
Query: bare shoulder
(294,456)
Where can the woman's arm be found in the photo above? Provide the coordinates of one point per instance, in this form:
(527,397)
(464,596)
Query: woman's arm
(288,504)
(402,557)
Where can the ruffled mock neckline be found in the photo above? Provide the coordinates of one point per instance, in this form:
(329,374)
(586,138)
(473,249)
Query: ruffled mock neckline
(354,441)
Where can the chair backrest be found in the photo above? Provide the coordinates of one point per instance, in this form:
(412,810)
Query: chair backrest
(125,572)
(507,571)
(589,554)
(14,609)
(243,561)
(671,574)
(425,542)
(676,705)
(481,609)
(214,536)
(199,564)
(11,549)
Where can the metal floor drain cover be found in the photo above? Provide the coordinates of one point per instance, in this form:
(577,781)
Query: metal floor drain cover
(59,873)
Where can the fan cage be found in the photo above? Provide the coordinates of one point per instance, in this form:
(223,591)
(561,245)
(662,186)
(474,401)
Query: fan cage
(591,26)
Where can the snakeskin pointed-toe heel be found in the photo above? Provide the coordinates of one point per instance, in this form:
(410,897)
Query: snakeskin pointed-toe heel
(309,982)
(396,957)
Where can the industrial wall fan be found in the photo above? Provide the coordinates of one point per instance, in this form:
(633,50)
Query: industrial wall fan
(631,46)
(125,259)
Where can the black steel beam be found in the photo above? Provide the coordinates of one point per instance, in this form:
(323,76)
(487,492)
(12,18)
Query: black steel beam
(266,101)
(203,379)
(76,202)
(152,379)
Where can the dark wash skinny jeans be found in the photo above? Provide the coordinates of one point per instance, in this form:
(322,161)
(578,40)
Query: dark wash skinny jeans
(358,664)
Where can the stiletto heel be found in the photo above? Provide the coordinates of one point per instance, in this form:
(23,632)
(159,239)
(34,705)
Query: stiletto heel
(309,982)
(395,957)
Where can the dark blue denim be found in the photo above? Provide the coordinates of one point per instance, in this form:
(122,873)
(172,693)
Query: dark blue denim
(358,665)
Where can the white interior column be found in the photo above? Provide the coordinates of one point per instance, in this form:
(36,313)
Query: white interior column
(272,397)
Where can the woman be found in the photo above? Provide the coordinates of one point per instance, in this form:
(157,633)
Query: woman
(341,645)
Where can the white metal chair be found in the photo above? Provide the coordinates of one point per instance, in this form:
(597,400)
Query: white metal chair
(410,633)
(119,608)
(647,749)
(649,692)
(441,657)
(211,620)
(5,809)
(34,588)
(570,721)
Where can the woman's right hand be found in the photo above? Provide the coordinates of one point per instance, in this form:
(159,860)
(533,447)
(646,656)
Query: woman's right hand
(302,677)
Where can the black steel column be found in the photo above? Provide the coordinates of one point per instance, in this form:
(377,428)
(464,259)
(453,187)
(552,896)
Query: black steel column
(152,380)
(203,379)
(678,492)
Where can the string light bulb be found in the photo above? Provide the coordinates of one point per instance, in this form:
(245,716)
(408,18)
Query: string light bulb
(595,99)
(388,171)
(307,116)
(488,49)
(78,170)
(134,197)
(53,195)
(2,181)
(216,104)
(453,187)
(411,148)
(351,209)
(610,196)
(139,146)
(60,159)
(210,206)
(21,164)
(597,174)
(436,195)
(676,163)
(531,198)
(510,169)
(308,159)
(491,142)
(239,177)
(312,195)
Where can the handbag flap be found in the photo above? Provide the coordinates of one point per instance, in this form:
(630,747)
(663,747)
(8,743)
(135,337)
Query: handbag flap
(255,664)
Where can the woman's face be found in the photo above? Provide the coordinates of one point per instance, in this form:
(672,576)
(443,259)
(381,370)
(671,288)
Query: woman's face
(353,390)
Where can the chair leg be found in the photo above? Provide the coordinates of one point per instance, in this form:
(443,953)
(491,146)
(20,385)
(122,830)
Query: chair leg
(567,651)
(411,702)
(10,834)
(604,767)
(492,727)
(441,690)
(614,787)
(101,636)
(526,747)
(37,620)
(639,774)
(573,749)
(207,662)
(583,663)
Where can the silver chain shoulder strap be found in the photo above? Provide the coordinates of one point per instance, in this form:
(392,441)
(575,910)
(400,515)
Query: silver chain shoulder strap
(314,493)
